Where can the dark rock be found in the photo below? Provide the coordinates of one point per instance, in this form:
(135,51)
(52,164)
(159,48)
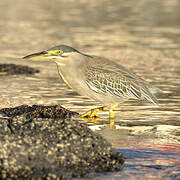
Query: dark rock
(37,145)
(38,111)
(13,69)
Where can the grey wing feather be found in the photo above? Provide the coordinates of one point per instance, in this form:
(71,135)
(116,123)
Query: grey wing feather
(115,80)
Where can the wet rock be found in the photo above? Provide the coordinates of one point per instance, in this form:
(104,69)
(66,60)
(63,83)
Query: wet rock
(38,111)
(13,69)
(36,143)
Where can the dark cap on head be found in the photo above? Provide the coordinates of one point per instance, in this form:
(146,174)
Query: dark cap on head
(63,48)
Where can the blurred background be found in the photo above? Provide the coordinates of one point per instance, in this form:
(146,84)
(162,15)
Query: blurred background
(142,35)
(101,27)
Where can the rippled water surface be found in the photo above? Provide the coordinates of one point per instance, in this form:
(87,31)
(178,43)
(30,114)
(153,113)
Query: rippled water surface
(142,35)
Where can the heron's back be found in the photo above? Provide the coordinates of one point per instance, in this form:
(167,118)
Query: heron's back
(108,78)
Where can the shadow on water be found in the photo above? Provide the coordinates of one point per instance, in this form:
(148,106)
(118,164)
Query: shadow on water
(143,36)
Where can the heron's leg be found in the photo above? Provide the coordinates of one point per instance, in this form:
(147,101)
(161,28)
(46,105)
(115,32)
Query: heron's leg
(93,112)
(92,120)
(111,114)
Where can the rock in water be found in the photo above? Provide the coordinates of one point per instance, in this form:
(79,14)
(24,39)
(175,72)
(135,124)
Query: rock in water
(39,146)
(15,69)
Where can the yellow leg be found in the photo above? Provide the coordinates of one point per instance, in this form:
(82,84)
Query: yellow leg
(93,112)
(111,114)
(91,116)
(92,120)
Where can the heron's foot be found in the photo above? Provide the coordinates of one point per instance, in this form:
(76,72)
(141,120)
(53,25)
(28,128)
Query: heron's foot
(92,113)
(91,116)
(93,120)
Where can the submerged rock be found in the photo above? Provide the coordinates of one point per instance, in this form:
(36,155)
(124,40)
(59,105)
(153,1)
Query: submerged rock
(36,144)
(14,69)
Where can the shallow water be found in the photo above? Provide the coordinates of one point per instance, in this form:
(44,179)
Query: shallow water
(156,162)
(143,36)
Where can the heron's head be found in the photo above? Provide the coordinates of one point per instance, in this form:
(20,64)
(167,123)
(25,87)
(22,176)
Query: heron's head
(57,53)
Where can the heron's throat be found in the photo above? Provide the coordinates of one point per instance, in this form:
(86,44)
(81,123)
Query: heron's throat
(60,61)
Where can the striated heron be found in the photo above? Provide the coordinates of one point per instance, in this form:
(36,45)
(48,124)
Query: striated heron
(98,78)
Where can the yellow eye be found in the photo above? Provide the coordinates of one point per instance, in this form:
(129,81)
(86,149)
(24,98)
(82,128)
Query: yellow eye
(59,52)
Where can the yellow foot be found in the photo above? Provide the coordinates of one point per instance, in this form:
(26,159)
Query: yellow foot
(91,116)
(93,112)
(92,120)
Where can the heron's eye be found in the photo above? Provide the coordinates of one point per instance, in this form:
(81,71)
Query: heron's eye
(59,52)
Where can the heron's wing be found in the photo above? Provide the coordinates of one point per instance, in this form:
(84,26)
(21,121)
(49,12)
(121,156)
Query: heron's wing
(115,80)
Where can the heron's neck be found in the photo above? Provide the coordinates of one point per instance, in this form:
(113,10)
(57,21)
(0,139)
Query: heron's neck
(71,69)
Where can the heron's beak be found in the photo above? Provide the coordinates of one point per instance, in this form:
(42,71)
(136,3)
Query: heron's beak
(39,55)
